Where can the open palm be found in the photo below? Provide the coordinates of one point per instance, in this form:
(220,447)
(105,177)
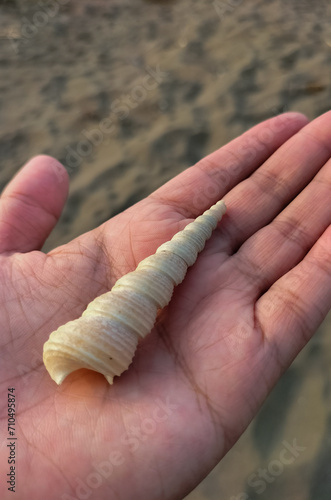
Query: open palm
(253,299)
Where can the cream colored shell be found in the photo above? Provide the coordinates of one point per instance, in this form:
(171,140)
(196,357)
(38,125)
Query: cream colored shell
(105,337)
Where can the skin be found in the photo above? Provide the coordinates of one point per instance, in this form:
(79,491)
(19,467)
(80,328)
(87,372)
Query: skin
(254,298)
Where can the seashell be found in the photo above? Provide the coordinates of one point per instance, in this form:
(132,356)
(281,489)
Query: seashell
(105,337)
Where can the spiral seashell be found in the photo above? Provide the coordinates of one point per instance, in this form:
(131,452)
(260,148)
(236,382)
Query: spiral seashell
(105,337)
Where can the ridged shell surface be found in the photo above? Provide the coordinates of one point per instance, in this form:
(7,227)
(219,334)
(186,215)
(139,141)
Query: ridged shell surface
(105,337)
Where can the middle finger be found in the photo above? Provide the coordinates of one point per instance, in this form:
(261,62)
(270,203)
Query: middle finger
(255,202)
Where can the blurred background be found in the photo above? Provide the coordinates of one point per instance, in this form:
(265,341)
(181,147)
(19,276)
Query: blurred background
(127,94)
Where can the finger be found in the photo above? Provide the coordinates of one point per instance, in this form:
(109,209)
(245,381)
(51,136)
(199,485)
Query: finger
(202,185)
(294,307)
(31,204)
(275,249)
(258,199)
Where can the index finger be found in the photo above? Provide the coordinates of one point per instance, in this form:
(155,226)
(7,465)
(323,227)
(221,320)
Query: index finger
(200,186)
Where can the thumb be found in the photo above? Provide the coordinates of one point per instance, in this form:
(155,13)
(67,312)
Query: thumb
(31,204)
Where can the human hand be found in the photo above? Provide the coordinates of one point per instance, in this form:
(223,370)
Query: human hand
(253,299)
